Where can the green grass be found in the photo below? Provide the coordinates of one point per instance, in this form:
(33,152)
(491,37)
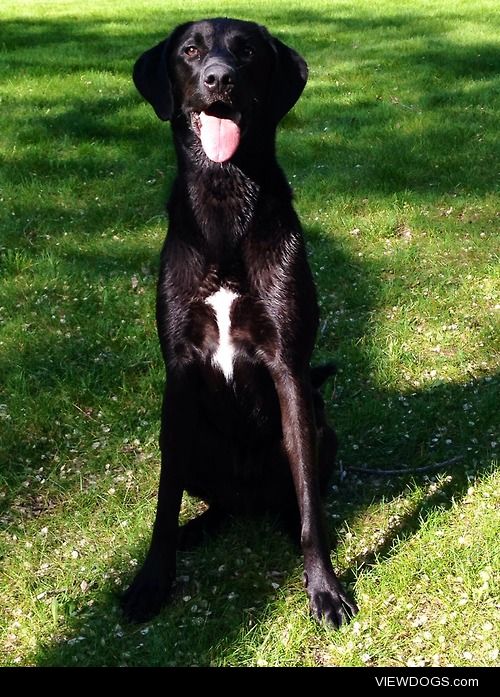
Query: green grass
(393,153)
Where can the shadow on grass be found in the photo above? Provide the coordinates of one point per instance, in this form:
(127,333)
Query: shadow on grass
(225,587)
(397,146)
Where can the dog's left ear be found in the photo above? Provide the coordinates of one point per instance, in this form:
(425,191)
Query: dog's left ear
(289,78)
(152,80)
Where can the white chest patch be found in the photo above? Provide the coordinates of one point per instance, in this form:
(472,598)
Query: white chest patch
(221,301)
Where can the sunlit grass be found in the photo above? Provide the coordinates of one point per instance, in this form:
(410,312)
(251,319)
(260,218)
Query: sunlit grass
(393,155)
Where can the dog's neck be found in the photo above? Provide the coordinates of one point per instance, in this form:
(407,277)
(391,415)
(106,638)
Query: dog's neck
(224,198)
(223,203)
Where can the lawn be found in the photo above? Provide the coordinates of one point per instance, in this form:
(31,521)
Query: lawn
(394,155)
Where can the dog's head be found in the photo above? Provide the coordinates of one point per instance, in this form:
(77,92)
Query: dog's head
(220,81)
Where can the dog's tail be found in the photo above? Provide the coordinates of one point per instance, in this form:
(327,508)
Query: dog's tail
(321,373)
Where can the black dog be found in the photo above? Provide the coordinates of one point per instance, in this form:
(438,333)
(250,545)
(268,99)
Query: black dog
(243,426)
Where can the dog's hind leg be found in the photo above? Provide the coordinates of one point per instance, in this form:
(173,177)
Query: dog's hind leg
(195,531)
(319,374)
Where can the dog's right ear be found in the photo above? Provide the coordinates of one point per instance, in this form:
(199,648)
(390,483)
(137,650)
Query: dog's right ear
(152,80)
(289,77)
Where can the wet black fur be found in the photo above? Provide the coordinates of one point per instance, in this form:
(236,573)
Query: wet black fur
(259,442)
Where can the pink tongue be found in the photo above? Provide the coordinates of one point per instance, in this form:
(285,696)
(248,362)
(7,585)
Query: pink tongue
(219,137)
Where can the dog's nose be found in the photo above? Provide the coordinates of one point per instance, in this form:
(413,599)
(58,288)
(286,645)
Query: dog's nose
(218,77)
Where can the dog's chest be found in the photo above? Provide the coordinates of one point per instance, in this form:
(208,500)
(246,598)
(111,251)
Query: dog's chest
(222,302)
(227,326)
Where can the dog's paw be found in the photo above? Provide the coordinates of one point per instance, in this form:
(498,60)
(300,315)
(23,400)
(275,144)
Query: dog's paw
(146,595)
(328,602)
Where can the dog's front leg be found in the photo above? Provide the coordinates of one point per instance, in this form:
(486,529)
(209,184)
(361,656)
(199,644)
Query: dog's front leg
(150,588)
(327,598)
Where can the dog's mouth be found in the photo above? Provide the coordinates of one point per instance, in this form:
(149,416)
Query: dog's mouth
(218,128)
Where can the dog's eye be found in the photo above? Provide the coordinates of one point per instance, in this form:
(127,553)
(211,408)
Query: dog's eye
(246,51)
(191,51)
